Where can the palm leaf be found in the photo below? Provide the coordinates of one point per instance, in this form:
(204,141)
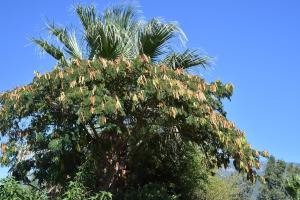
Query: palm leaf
(87,16)
(188,58)
(69,41)
(49,48)
(127,26)
(103,40)
(123,16)
(154,37)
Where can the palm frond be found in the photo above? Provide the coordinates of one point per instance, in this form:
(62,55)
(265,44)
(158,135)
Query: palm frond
(154,37)
(69,41)
(103,41)
(188,58)
(87,16)
(123,16)
(126,19)
(52,50)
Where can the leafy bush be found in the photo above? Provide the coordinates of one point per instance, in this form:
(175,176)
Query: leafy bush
(10,189)
(76,191)
(150,192)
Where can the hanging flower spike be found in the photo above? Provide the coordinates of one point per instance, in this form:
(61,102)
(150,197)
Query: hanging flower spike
(94,89)
(3,148)
(37,74)
(213,88)
(118,105)
(93,75)
(62,97)
(77,62)
(144,58)
(103,62)
(102,120)
(93,100)
(73,84)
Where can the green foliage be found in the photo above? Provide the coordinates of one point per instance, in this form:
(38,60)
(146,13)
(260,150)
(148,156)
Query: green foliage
(10,189)
(220,189)
(76,191)
(293,186)
(117,118)
(150,192)
(120,32)
(292,182)
(233,187)
(274,187)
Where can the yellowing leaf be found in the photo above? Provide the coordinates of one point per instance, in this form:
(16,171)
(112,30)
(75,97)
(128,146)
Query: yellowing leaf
(102,120)
(93,75)
(257,164)
(135,98)
(73,84)
(47,76)
(176,94)
(144,58)
(103,62)
(141,95)
(229,87)
(142,80)
(265,154)
(3,148)
(61,74)
(77,62)
(202,86)
(118,105)
(179,71)
(173,112)
(200,96)
(94,89)
(256,154)
(81,79)
(93,100)
(213,88)
(37,74)
(62,97)
(238,142)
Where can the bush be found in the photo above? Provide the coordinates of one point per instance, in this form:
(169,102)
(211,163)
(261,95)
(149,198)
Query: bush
(150,192)
(10,189)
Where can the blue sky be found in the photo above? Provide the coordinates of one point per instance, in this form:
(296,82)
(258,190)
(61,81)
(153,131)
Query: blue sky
(255,45)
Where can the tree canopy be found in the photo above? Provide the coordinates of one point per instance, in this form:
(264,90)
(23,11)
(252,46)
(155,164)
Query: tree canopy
(123,114)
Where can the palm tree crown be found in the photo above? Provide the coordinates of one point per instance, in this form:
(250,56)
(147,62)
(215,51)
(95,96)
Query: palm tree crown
(120,32)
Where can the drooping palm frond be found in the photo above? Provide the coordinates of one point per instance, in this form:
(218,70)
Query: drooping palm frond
(188,58)
(68,40)
(52,50)
(155,36)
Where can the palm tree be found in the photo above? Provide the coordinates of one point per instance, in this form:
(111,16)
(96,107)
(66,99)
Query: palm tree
(120,32)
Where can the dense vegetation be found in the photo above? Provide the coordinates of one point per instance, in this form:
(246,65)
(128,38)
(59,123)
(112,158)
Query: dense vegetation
(282,181)
(121,117)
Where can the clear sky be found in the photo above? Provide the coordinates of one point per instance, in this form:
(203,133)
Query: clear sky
(255,44)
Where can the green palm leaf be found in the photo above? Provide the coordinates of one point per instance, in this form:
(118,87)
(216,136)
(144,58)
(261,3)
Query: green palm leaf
(87,16)
(50,49)
(69,41)
(154,38)
(188,58)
